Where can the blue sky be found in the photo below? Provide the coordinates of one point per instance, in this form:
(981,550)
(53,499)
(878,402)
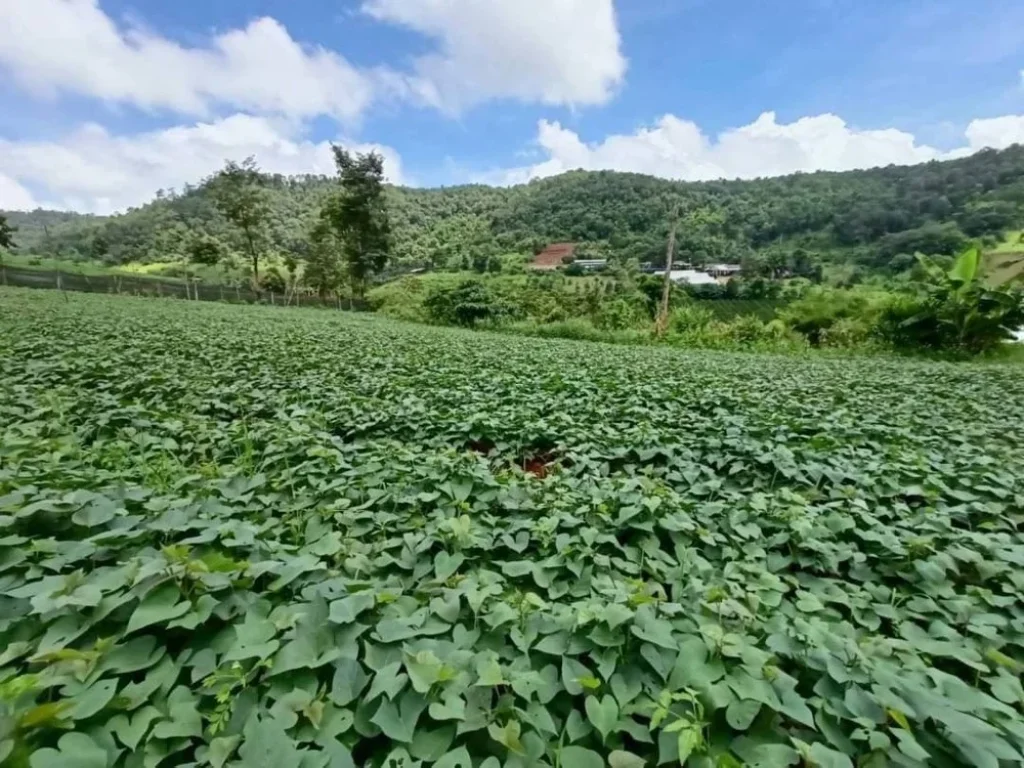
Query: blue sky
(104,101)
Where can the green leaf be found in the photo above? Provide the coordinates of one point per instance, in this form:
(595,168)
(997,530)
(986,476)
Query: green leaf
(130,732)
(489,672)
(267,745)
(453,707)
(74,750)
(221,750)
(622,759)
(508,736)
(397,720)
(158,607)
(92,700)
(348,609)
(446,565)
(457,758)
(603,714)
(97,512)
(578,757)
(965,268)
(349,681)
(741,713)
(829,758)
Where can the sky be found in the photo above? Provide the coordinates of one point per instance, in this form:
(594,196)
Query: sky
(103,102)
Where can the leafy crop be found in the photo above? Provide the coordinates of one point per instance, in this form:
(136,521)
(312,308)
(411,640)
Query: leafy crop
(235,536)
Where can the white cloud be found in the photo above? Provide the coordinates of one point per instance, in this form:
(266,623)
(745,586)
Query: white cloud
(94,171)
(53,46)
(559,52)
(14,197)
(678,149)
(997,132)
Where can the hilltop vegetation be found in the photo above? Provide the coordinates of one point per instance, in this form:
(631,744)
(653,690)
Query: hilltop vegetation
(874,219)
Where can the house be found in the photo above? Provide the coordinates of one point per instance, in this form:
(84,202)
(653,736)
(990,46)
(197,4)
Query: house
(723,270)
(554,256)
(689,276)
(591,265)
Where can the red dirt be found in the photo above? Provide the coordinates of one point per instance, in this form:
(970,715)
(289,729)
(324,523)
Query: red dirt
(552,256)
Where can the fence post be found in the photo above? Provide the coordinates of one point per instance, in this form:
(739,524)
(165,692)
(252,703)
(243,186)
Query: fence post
(271,298)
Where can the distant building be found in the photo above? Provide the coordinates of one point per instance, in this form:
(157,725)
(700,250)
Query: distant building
(723,270)
(689,276)
(591,265)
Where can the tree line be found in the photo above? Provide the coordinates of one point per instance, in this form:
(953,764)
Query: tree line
(872,220)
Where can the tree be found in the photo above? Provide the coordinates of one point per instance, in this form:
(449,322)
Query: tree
(324,272)
(205,250)
(6,234)
(240,196)
(358,214)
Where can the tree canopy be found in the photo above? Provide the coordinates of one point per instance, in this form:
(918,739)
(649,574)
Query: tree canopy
(872,218)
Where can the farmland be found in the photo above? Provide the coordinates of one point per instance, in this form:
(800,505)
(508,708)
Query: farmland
(248,536)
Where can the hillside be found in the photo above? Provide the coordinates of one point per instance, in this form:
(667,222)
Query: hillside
(873,218)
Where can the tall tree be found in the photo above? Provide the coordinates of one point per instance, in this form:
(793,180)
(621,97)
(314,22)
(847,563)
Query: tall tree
(358,214)
(241,197)
(6,234)
(324,272)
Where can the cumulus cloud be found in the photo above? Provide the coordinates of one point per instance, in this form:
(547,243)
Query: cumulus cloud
(14,196)
(96,172)
(559,52)
(996,132)
(550,51)
(53,46)
(678,149)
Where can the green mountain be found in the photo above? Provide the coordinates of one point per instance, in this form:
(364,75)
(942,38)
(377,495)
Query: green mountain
(873,218)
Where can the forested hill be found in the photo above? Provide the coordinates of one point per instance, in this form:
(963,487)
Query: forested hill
(871,217)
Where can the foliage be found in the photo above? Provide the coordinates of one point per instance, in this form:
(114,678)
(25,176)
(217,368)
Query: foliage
(206,250)
(351,542)
(820,309)
(466,304)
(325,271)
(793,224)
(359,217)
(955,310)
(6,234)
(239,195)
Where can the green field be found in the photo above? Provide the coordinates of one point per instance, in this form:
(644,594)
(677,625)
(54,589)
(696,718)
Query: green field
(248,536)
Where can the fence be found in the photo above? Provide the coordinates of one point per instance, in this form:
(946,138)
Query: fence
(150,286)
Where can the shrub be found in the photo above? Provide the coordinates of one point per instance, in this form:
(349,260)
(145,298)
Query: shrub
(689,316)
(848,333)
(466,305)
(621,313)
(820,309)
(954,311)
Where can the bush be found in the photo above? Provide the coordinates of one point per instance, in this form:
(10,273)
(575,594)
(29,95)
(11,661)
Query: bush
(621,313)
(819,310)
(688,317)
(848,333)
(953,312)
(465,305)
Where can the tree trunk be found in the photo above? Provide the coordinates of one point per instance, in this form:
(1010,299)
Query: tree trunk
(661,325)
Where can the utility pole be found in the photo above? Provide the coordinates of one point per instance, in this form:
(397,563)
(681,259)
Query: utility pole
(661,325)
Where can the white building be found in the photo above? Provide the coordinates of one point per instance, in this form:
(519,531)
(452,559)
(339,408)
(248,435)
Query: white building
(689,276)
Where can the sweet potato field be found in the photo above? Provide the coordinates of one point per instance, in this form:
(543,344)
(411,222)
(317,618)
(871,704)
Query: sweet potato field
(247,536)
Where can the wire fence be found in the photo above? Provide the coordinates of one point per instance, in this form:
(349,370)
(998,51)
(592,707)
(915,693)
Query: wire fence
(188,290)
